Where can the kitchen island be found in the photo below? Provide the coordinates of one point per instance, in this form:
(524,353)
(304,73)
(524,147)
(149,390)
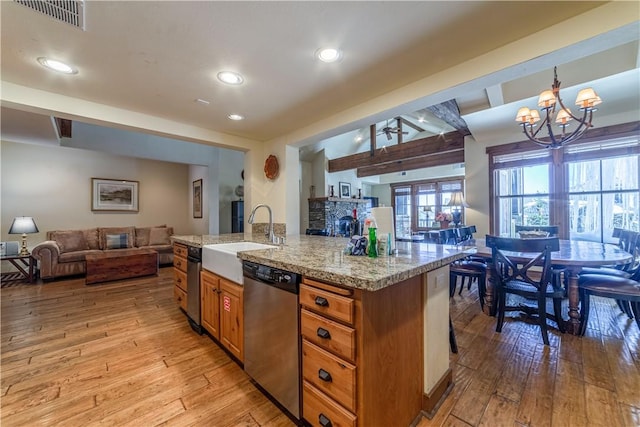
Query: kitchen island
(396,364)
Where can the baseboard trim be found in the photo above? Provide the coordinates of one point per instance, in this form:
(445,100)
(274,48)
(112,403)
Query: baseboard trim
(432,401)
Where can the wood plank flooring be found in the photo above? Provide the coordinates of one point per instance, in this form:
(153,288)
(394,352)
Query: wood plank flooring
(122,354)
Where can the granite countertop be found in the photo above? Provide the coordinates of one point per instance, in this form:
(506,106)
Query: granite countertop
(323,258)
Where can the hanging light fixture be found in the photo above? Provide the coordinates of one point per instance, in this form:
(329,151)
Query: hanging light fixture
(548,102)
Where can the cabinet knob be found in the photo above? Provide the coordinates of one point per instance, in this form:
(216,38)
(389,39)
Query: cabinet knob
(322,302)
(324,421)
(323,333)
(324,375)
(179,280)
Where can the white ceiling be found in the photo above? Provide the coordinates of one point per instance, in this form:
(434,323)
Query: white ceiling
(158,57)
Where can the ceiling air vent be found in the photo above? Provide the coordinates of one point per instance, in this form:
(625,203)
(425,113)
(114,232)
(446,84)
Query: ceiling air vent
(67,11)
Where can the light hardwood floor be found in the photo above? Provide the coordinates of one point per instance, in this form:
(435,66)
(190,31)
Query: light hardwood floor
(121,353)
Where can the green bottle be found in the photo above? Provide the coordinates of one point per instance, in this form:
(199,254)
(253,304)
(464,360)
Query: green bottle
(372,250)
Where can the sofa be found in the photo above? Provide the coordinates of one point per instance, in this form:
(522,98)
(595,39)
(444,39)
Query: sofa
(63,253)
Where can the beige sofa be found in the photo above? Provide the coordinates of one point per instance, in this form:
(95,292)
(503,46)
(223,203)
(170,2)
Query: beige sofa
(64,251)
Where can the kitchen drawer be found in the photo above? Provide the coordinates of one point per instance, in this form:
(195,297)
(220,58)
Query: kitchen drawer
(180,263)
(327,303)
(180,279)
(180,297)
(180,250)
(319,410)
(328,334)
(329,374)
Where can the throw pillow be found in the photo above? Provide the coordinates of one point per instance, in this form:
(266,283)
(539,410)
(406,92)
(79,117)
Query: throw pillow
(142,235)
(160,236)
(116,241)
(129,231)
(70,241)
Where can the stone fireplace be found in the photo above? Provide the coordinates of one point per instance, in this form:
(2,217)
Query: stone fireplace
(326,212)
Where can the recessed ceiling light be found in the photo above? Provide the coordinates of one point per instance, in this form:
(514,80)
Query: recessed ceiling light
(202,101)
(58,66)
(230,78)
(235,117)
(329,54)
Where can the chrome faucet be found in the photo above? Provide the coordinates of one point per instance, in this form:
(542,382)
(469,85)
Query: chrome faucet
(269,232)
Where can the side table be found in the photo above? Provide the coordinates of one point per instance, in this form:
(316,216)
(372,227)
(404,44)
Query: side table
(26,265)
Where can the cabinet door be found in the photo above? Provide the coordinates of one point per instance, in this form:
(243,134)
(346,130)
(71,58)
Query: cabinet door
(210,303)
(232,318)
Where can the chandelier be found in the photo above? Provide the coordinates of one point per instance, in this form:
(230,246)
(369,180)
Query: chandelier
(548,101)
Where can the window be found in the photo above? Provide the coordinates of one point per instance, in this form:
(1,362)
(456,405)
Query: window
(416,204)
(588,187)
(523,197)
(603,195)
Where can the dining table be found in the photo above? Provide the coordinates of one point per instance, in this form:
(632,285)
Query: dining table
(572,257)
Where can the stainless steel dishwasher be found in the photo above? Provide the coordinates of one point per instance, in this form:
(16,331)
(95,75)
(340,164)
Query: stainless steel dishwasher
(272,333)
(194,265)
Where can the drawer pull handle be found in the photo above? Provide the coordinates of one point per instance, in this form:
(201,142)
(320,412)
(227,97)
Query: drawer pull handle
(324,421)
(324,375)
(323,333)
(322,302)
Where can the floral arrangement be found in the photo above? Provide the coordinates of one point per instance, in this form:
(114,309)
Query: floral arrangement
(444,216)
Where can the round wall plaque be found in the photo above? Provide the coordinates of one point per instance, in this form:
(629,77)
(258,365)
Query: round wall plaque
(271,167)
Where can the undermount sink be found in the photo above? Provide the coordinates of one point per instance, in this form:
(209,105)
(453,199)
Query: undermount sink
(222,259)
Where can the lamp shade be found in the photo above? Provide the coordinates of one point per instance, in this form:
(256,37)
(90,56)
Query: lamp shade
(457,199)
(23,225)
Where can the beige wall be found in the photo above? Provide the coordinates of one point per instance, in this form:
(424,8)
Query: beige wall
(53,185)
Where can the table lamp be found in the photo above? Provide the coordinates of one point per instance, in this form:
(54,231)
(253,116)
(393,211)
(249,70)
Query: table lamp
(23,225)
(457,200)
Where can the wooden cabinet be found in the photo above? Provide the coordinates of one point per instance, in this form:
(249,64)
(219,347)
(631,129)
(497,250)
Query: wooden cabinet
(180,275)
(231,318)
(210,303)
(362,354)
(221,311)
(328,354)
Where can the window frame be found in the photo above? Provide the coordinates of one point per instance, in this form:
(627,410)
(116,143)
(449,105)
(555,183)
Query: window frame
(415,193)
(557,160)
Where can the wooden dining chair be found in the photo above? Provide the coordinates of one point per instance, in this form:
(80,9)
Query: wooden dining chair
(606,286)
(532,280)
(467,270)
(628,241)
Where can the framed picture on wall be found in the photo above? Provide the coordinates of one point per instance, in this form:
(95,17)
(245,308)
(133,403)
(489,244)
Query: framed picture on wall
(345,189)
(197,198)
(114,195)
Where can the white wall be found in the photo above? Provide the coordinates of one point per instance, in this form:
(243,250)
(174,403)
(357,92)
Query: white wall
(229,168)
(199,225)
(305,193)
(53,185)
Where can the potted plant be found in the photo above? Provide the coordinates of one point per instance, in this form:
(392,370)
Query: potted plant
(444,218)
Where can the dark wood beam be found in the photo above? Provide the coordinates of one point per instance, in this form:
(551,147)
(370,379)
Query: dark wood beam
(446,158)
(63,127)
(412,125)
(416,148)
(372,137)
(449,112)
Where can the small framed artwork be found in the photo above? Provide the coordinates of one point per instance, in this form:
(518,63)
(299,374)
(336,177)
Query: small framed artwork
(114,195)
(197,198)
(345,189)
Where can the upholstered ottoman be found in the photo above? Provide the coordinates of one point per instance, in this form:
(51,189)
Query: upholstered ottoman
(120,264)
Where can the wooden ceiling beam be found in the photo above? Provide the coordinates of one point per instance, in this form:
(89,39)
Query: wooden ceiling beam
(446,158)
(63,127)
(449,112)
(412,125)
(416,148)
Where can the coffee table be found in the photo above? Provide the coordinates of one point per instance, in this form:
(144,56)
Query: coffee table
(120,264)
